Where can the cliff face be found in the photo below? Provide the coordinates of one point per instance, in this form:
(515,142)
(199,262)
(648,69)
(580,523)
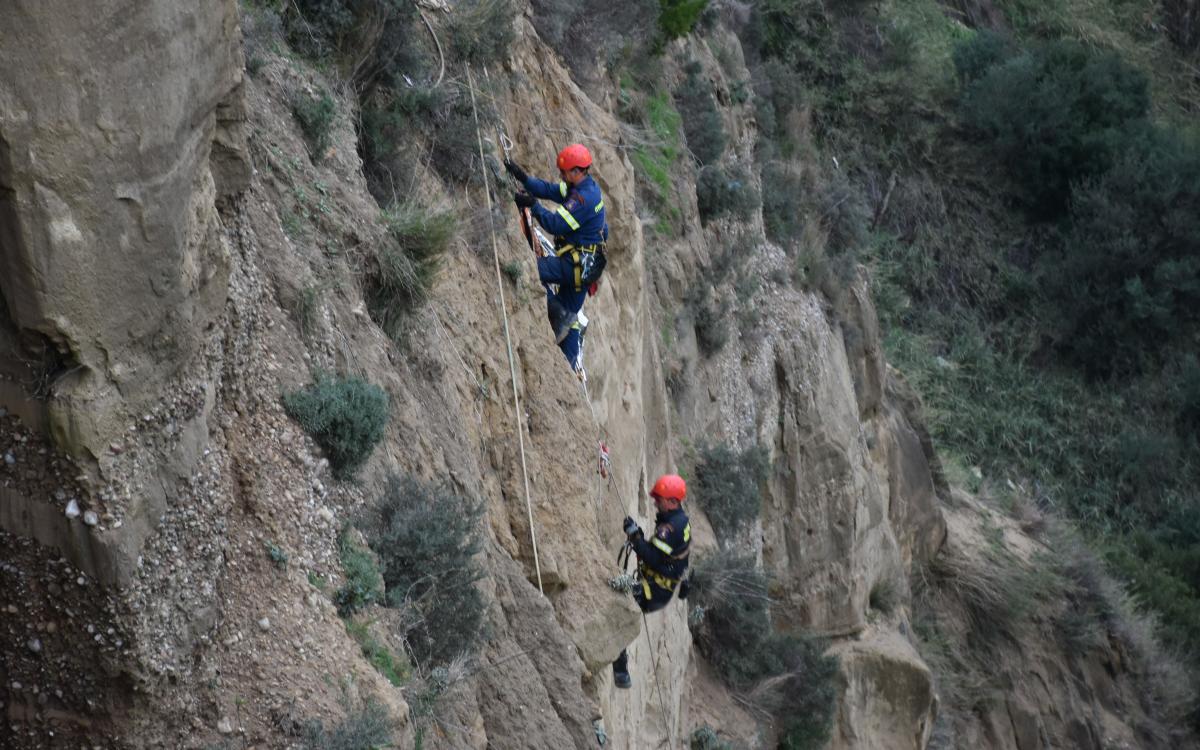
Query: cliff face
(114,138)
(149,268)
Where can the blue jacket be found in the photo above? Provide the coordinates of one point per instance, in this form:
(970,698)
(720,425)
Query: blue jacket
(579,219)
(666,552)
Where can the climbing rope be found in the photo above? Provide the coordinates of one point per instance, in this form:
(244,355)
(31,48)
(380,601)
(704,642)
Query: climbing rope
(662,706)
(512,367)
(604,460)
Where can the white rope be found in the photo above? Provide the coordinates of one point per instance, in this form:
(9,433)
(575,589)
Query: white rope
(512,368)
(668,720)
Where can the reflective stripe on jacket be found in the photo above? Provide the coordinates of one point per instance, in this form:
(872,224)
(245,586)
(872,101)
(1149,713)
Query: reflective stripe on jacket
(579,219)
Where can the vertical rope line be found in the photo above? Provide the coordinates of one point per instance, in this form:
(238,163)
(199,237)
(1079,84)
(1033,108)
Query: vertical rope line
(512,368)
(661,705)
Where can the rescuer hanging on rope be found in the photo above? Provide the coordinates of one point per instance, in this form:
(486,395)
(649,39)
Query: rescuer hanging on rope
(579,230)
(662,561)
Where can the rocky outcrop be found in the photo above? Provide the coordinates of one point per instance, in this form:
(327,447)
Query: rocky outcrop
(113,269)
(156,279)
(887,695)
(111,263)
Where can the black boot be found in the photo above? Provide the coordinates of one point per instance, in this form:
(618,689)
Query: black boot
(621,676)
(560,319)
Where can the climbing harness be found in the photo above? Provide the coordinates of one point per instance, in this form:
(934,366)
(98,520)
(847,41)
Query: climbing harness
(589,262)
(512,367)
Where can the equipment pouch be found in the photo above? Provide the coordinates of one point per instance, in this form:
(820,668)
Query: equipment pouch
(593,267)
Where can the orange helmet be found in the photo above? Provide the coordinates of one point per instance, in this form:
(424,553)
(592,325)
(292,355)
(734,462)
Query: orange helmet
(573,156)
(670,487)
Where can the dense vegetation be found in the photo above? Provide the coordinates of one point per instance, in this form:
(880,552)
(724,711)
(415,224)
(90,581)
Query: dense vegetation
(1026,194)
(787,675)
(1035,245)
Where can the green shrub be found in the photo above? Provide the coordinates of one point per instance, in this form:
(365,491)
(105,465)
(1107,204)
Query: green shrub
(345,415)
(1126,282)
(1185,396)
(884,595)
(404,273)
(315,28)
(316,118)
(735,628)
(677,18)
(979,53)
(1160,589)
(364,583)
(481,31)
(728,487)
(702,126)
(364,729)
(277,555)
(706,738)
(1057,114)
(710,318)
(618,38)
(789,676)
(782,187)
(811,697)
(722,191)
(1182,21)
(427,538)
(368,40)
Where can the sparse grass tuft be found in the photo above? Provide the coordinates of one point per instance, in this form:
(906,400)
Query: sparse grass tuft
(364,584)
(394,668)
(368,727)
(656,158)
(513,270)
(403,274)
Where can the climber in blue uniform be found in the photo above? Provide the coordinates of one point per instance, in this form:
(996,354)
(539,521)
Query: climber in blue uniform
(662,561)
(579,230)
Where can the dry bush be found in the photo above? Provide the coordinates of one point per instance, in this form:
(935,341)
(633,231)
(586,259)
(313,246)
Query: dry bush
(1168,689)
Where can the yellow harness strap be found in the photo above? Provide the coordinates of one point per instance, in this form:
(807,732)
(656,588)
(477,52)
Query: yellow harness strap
(577,260)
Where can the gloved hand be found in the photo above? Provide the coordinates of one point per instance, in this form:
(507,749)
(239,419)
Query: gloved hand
(515,170)
(631,527)
(524,200)
(685,588)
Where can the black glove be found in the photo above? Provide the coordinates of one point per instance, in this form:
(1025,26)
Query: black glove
(631,527)
(524,200)
(685,588)
(515,170)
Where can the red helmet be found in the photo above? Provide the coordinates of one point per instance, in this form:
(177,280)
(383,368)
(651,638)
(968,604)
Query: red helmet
(573,156)
(670,487)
